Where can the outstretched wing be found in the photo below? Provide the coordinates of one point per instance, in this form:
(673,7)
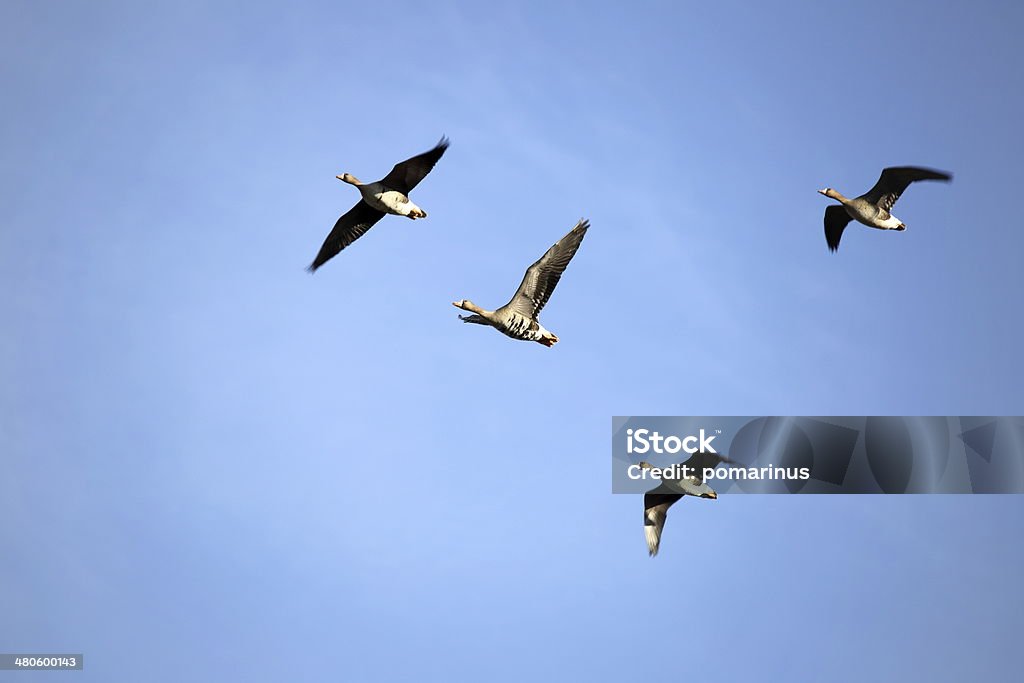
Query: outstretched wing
(656,505)
(541,278)
(836,220)
(895,180)
(407,174)
(347,230)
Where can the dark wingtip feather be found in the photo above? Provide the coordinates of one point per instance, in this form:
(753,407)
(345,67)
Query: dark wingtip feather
(934,174)
(915,173)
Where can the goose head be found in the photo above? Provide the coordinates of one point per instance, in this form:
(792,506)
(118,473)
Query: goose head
(829,192)
(467,305)
(348,178)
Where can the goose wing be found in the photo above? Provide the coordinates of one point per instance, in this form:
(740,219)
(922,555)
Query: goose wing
(656,504)
(836,220)
(407,174)
(347,230)
(894,181)
(541,278)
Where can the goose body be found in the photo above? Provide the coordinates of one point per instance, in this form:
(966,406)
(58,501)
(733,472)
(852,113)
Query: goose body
(658,500)
(518,318)
(389,195)
(873,207)
(510,323)
(384,199)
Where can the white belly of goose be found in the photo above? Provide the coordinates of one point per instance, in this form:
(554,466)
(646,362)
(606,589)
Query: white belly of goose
(891,223)
(390,201)
(872,216)
(691,486)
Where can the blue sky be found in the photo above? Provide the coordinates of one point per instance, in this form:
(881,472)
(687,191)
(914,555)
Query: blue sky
(219,467)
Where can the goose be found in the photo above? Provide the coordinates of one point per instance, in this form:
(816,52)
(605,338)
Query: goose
(518,318)
(872,208)
(390,194)
(658,500)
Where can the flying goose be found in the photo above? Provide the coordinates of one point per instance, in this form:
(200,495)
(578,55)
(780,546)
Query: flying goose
(658,500)
(518,318)
(872,208)
(390,194)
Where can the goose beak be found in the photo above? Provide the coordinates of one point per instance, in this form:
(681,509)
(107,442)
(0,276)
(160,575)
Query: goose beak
(339,177)
(456,304)
(821,191)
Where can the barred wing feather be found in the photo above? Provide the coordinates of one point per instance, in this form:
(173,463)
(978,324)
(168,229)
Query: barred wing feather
(541,278)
